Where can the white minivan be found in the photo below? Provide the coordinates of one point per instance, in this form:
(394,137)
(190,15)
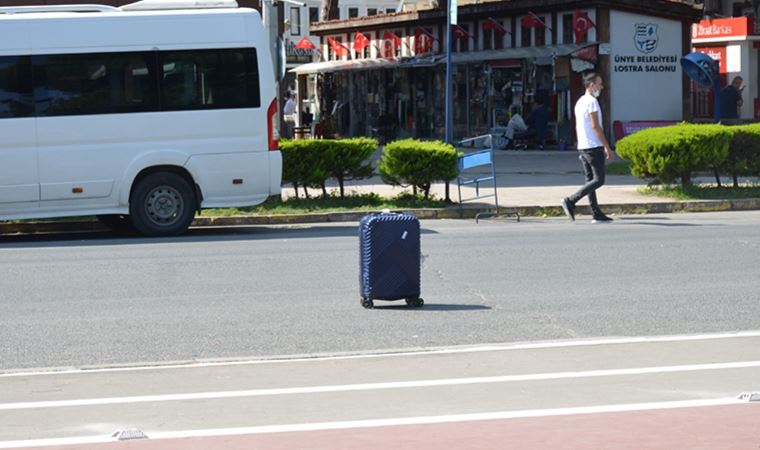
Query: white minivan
(140,115)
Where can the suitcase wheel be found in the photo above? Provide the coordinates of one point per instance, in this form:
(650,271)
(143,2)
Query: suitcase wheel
(416,302)
(367,303)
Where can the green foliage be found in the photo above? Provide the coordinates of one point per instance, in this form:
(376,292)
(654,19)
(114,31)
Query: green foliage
(744,153)
(676,151)
(309,163)
(347,159)
(418,163)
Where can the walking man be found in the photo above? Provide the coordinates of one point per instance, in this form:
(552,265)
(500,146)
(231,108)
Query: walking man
(592,146)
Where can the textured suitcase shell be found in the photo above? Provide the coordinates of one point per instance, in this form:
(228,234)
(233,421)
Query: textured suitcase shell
(389,253)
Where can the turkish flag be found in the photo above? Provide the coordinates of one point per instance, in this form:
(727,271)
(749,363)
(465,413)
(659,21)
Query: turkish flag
(459,33)
(532,21)
(306,44)
(581,24)
(388,36)
(360,42)
(339,49)
(491,24)
(423,41)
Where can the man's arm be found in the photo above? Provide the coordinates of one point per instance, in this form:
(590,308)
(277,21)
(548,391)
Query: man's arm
(600,134)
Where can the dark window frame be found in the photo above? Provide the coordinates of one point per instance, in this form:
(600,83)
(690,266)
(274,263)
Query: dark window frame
(17,96)
(230,80)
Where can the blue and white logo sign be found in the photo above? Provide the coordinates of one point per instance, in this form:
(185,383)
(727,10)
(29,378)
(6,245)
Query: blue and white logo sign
(645,37)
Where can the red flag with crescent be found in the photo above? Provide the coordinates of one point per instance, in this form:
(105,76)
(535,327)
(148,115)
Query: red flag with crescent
(581,24)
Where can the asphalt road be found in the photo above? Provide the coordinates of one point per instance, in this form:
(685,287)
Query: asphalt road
(96,299)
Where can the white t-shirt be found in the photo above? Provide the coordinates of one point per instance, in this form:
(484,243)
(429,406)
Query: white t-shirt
(583,109)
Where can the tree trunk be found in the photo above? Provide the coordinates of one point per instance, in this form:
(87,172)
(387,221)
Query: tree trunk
(686,179)
(295,187)
(717,176)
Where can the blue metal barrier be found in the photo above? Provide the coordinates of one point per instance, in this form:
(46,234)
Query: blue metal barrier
(481,155)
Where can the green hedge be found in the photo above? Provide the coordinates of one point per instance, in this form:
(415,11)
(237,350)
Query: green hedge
(309,163)
(743,154)
(418,164)
(676,151)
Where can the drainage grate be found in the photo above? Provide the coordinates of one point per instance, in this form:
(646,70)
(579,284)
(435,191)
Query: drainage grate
(128,435)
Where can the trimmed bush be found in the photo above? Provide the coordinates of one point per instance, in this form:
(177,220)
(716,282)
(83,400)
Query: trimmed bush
(348,159)
(308,163)
(743,153)
(418,164)
(301,165)
(676,151)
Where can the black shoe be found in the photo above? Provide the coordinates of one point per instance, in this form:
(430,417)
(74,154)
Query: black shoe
(569,209)
(601,218)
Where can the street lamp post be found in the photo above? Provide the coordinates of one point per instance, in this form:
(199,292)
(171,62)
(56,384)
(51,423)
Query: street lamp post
(451,18)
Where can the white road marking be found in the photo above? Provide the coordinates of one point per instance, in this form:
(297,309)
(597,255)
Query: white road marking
(373,423)
(375,386)
(393,354)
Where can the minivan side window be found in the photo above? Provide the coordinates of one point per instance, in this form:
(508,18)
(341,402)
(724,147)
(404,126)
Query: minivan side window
(16,98)
(206,79)
(95,83)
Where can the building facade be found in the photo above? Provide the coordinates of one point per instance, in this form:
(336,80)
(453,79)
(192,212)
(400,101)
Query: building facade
(390,69)
(730,34)
(298,27)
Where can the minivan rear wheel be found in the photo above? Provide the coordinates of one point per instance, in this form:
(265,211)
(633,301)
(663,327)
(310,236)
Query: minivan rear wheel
(162,204)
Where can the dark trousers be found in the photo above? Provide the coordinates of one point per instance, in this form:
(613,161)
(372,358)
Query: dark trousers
(593,167)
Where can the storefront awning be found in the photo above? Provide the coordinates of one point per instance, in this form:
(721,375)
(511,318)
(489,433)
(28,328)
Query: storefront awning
(355,64)
(432,60)
(547,53)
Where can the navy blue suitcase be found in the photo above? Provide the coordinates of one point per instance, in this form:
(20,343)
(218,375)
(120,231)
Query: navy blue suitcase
(389,254)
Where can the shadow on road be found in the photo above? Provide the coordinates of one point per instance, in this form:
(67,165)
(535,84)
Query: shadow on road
(429,307)
(656,222)
(208,234)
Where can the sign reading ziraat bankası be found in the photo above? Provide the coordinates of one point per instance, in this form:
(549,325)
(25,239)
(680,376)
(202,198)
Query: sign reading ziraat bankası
(645,77)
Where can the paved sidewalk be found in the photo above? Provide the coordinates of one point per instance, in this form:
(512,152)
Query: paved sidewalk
(531,183)
(526,178)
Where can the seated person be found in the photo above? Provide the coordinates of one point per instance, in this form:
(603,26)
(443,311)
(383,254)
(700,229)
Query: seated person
(537,123)
(516,125)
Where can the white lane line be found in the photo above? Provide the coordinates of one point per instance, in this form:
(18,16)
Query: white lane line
(375,386)
(373,423)
(393,353)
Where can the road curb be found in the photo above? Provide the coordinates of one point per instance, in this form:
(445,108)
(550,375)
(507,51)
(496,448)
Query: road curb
(454,212)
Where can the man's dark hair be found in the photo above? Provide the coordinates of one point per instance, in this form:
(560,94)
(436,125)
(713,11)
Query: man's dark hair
(590,78)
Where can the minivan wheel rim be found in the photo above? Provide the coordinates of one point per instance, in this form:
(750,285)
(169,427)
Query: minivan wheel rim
(163,205)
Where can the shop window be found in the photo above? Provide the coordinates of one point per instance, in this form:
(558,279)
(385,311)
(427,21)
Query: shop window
(295,21)
(498,41)
(525,40)
(390,10)
(488,36)
(353,12)
(464,42)
(371,11)
(313,15)
(567,29)
(540,40)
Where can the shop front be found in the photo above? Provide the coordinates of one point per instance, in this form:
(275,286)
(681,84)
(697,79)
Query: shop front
(735,44)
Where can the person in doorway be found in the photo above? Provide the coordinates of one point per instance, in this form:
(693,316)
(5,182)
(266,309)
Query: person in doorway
(289,114)
(592,146)
(537,122)
(731,99)
(515,126)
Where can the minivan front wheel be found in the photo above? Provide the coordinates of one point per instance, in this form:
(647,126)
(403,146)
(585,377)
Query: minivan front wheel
(162,204)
